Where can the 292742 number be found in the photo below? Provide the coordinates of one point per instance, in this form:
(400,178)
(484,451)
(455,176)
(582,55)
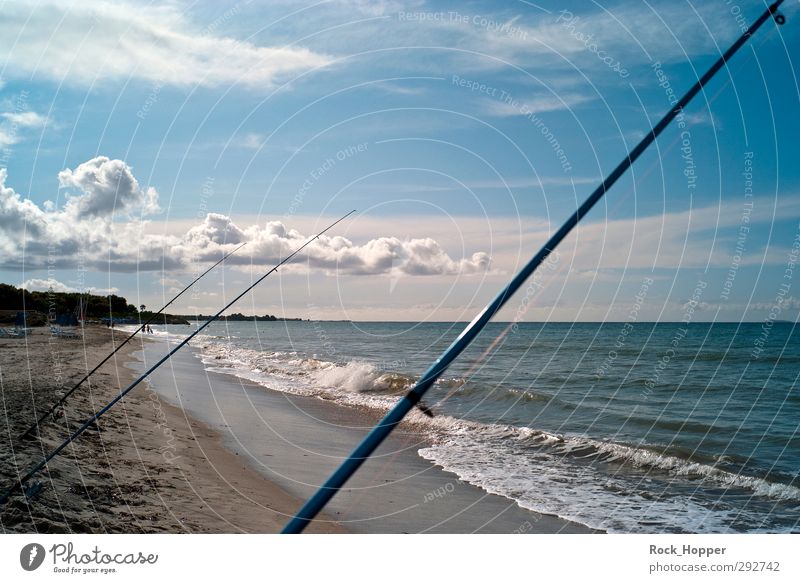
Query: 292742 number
(747,566)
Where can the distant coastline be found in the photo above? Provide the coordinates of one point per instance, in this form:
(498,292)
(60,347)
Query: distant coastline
(237,317)
(41,307)
(38,308)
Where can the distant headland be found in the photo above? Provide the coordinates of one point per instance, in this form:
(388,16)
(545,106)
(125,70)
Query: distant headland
(42,307)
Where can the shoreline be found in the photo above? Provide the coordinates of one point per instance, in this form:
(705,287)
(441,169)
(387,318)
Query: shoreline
(297,441)
(121,476)
(196,451)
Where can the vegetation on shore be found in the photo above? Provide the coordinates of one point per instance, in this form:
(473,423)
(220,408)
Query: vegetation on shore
(237,317)
(41,306)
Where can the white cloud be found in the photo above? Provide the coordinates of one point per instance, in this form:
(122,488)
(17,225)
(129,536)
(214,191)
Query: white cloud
(249,141)
(45,285)
(384,255)
(13,122)
(378,7)
(688,239)
(631,33)
(490,37)
(106,186)
(599,254)
(36,237)
(534,105)
(788,303)
(7,138)
(26,119)
(29,233)
(83,41)
(35,284)
(498,184)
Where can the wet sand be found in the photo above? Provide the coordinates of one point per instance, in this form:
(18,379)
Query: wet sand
(296,442)
(200,452)
(147,466)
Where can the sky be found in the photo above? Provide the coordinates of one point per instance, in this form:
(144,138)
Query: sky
(141,142)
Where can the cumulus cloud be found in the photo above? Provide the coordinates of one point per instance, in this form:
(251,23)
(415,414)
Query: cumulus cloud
(106,186)
(270,243)
(17,215)
(83,41)
(88,225)
(45,285)
(35,284)
(31,235)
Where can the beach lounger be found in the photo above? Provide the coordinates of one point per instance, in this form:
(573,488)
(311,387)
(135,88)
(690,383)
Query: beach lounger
(64,332)
(8,333)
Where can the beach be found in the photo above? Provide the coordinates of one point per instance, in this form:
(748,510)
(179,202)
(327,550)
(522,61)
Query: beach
(298,441)
(628,441)
(147,468)
(202,452)
(236,430)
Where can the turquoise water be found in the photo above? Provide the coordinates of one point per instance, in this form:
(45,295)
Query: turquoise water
(629,428)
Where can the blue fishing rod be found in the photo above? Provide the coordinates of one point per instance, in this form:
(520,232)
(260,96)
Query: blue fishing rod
(382,430)
(119,346)
(20,483)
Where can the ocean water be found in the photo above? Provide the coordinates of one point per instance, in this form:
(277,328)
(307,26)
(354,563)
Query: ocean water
(628,428)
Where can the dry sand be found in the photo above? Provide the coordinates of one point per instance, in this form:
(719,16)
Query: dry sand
(148,467)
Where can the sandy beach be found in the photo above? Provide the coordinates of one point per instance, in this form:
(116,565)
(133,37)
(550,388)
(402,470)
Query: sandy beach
(202,452)
(296,442)
(147,468)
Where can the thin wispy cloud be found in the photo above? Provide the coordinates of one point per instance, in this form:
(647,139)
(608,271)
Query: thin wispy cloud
(15,125)
(534,105)
(498,184)
(89,41)
(631,33)
(25,119)
(248,141)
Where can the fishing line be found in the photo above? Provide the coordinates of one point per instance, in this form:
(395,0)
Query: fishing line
(496,343)
(647,172)
(21,481)
(382,430)
(152,318)
(476,365)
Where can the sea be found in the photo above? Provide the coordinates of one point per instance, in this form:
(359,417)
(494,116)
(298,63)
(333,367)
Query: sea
(625,427)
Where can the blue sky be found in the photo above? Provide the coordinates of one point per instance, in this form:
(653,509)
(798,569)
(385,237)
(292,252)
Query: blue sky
(462,132)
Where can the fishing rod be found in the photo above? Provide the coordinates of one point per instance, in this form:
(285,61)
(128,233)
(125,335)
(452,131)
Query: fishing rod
(152,318)
(21,481)
(386,425)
